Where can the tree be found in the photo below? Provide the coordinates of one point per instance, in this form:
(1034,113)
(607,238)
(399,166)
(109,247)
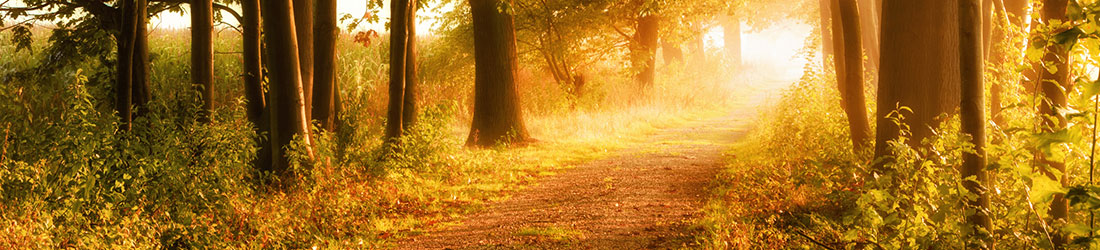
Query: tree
(869,26)
(124,81)
(324,51)
(972,117)
(402,108)
(497,114)
(643,49)
(849,65)
(202,55)
(286,97)
(303,25)
(256,109)
(918,70)
(1053,79)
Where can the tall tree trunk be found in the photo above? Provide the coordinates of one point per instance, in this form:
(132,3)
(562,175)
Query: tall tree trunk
(324,78)
(253,67)
(731,32)
(409,109)
(919,68)
(869,26)
(851,84)
(253,78)
(399,35)
(140,80)
(972,117)
(825,25)
(303,24)
(1052,95)
(644,50)
(124,81)
(202,55)
(497,114)
(286,98)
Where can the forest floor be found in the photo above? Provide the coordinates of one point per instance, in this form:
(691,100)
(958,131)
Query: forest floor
(645,196)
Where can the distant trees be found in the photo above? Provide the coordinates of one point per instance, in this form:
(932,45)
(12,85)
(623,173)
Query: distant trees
(643,48)
(497,114)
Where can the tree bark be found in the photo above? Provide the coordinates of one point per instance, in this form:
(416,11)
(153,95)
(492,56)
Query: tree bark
(409,109)
(869,27)
(919,68)
(848,32)
(1053,98)
(972,118)
(731,32)
(324,78)
(644,50)
(253,78)
(124,81)
(303,25)
(497,114)
(140,80)
(399,35)
(202,55)
(286,97)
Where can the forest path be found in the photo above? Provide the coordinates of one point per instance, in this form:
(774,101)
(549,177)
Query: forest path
(647,196)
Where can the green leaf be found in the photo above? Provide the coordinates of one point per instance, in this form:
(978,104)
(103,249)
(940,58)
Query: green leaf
(1068,37)
(1043,187)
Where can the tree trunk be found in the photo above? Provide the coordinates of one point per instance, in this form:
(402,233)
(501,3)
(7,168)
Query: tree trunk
(851,84)
(972,118)
(827,47)
(497,114)
(124,83)
(731,32)
(140,80)
(253,78)
(324,78)
(1052,99)
(286,97)
(202,55)
(399,35)
(644,50)
(409,111)
(919,68)
(303,24)
(869,26)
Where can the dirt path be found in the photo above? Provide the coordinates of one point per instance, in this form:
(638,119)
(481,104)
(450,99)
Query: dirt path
(644,197)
